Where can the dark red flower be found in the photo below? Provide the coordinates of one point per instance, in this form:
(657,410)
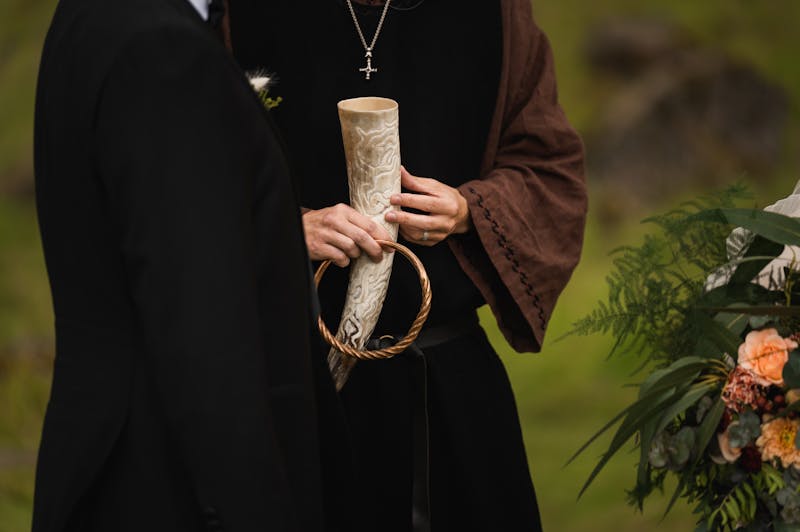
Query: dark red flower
(750,460)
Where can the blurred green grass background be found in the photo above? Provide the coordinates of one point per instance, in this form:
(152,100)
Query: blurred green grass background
(564,394)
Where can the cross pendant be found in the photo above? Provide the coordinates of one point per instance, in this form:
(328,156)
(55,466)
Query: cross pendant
(368,70)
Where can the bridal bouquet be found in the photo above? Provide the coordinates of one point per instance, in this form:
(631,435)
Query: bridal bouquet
(711,303)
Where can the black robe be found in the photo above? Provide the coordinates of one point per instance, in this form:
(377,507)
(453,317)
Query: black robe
(187,394)
(441,61)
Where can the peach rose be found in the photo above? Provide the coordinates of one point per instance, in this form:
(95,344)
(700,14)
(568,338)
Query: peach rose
(764,353)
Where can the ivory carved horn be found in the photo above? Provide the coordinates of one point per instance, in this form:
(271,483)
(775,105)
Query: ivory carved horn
(372,149)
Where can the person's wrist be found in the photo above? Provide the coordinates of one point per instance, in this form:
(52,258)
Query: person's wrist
(464,219)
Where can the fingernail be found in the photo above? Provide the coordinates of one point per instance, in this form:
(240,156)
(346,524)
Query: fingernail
(395,199)
(391,217)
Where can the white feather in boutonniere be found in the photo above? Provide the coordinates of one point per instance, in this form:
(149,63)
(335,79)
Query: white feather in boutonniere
(261,83)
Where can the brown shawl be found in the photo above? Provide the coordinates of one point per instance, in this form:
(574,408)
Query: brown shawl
(529,206)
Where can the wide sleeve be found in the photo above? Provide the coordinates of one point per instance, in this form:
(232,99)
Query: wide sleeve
(529,207)
(175,139)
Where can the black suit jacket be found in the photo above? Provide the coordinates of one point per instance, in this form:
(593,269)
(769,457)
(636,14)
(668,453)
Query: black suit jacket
(184,395)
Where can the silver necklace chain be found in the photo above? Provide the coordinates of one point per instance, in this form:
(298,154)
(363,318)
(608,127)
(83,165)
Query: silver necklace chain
(368,70)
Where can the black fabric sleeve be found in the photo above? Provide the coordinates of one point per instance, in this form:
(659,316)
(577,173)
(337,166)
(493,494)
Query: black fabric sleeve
(176,138)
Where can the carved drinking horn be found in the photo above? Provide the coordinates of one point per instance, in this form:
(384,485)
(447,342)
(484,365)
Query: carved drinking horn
(372,150)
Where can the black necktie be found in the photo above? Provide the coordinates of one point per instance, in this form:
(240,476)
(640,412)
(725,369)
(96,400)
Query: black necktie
(216,11)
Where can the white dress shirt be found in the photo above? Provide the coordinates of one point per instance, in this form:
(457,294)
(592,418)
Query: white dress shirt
(201,6)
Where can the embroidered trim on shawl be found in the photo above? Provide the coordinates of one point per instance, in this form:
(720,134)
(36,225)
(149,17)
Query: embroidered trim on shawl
(509,254)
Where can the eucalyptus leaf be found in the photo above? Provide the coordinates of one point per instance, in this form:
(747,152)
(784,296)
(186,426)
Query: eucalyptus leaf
(703,407)
(772,226)
(680,447)
(646,435)
(745,430)
(739,436)
(658,456)
(785,496)
(751,421)
(791,479)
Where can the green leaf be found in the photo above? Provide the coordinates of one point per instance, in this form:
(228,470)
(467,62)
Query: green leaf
(772,478)
(716,333)
(776,227)
(647,435)
(746,293)
(780,526)
(734,322)
(683,370)
(602,431)
(692,396)
(651,406)
(637,414)
(678,490)
(635,407)
(748,269)
(732,509)
(709,426)
(772,310)
(744,505)
(748,499)
(759,322)
(791,371)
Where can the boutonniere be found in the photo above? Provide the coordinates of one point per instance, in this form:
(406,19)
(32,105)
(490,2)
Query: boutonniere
(262,83)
